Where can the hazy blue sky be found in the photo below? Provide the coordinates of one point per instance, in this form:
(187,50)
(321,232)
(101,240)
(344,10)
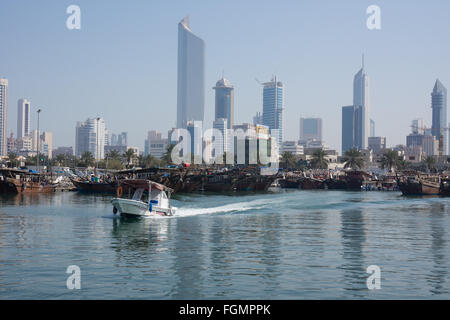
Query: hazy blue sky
(122,64)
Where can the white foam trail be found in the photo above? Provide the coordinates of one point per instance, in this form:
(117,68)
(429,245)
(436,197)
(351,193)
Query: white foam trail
(233,207)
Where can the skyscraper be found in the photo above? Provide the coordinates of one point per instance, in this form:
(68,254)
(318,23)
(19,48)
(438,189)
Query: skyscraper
(372,128)
(221,144)
(87,140)
(225,101)
(351,127)
(273,107)
(439,106)
(257,119)
(23,118)
(3,114)
(47,140)
(122,139)
(191,76)
(361,98)
(310,129)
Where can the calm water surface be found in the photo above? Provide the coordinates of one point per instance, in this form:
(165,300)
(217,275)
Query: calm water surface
(279,245)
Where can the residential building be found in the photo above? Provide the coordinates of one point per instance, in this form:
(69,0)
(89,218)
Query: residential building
(293,147)
(155,145)
(23,118)
(90,137)
(66,151)
(273,108)
(377,143)
(47,142)
(310,129)
(221,143)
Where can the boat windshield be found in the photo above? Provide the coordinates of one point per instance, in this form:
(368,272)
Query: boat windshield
(140,195)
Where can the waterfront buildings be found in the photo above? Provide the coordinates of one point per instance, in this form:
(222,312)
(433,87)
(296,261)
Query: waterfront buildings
(66,151)
(122,139)
(3,115)
(90,137)
(293,147)
(310,129)
(273,108)
(155,145)
(377,143)
(191,76)
(24,145)
(257,119)
(11,143)
(439,119)
(352,136)
(23,118)
(222,142)
(195,129)
(421,137)
(418,126)
(224,101)
(250,142)
(47,144)
(361,99)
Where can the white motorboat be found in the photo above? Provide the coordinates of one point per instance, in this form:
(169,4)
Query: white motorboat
(149,199)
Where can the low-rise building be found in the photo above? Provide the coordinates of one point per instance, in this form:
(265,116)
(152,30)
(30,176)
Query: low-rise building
(293,147)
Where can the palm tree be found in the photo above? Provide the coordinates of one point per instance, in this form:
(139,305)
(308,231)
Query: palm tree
(429,162)
(167,157)
(113,155)
(288,160)
(403,165)
(12,157)
(60,159)
(390,160)
(129,155)
(319,160)
(353,159)
(87,159)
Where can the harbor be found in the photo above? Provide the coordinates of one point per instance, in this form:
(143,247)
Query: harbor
(284,243)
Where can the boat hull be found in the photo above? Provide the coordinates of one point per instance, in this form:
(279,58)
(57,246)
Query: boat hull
(135,208)
(14,186)
(418,189)
(94,187)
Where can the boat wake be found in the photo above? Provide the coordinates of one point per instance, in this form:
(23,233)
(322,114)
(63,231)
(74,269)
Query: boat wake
(229,208)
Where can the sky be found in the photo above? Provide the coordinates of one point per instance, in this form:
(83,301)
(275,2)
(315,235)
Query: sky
(122,63)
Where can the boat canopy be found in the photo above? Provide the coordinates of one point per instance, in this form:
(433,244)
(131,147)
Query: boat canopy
(19,171)
(145,184)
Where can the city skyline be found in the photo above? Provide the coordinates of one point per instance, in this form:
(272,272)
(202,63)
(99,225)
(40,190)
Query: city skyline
(303,78)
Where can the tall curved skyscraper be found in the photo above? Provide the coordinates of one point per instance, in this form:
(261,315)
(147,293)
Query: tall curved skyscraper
(3,114)
(191,76)
(439,120)
(361,99)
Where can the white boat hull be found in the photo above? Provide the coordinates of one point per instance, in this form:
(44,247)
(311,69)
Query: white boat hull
(139,208)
